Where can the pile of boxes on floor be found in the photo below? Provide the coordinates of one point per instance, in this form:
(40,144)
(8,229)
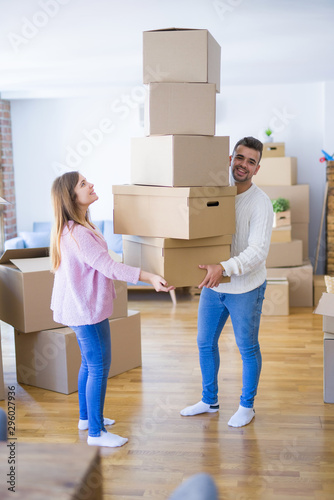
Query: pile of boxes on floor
(179,210)
(47,354)
(289,272)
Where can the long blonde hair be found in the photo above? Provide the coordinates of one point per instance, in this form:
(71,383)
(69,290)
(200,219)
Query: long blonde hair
(65,209)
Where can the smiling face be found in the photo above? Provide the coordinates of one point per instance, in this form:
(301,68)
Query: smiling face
(85,194)
(245,164)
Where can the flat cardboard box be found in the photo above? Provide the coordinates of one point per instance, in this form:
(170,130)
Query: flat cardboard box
(50,359)
(319,287)
(273,149)
(277,172)
(25,289)
(180,108)
(300,232)
(174,212)
(181,55)
(120,304)
(2,384)
(180,161)
(276,300)
(286,254)
(298,196)
(328,367)
(281,234)
(300,280)
(176,260)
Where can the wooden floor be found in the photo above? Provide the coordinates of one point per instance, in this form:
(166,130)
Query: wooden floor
(287,452)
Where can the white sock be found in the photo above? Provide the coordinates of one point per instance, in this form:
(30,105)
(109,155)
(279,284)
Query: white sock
(198,408)
(83,424)
(242,417)
(107,439)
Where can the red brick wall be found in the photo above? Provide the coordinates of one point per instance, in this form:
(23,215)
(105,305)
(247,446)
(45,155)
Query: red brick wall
(7,170)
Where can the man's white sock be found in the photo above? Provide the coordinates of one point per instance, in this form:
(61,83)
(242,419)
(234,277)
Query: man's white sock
(198,408)
(107,439)
(242,417)
(83,424)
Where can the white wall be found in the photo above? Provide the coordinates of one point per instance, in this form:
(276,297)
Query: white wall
(46,131)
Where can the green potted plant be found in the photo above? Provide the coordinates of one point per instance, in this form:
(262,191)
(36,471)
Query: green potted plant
(268,133)
(282,213)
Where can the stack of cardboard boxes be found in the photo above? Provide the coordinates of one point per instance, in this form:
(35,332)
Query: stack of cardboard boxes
(47,354)
(326,309)
(287,259)
(179,203)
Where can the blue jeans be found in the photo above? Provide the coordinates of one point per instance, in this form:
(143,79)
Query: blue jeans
(245,311)
(95,346)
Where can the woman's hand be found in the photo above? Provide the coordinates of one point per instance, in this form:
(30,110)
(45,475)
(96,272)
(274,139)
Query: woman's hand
(159,283)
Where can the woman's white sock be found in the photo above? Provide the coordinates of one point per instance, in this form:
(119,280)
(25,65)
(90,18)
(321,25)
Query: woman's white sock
(198,408)
(107,439)
(242,417)
(83,424)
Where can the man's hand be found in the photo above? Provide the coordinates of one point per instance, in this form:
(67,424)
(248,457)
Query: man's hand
(213,275)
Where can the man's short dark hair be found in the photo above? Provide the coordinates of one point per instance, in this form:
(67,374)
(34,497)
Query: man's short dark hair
(252,143)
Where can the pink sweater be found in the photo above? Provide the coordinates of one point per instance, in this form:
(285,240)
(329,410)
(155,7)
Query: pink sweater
(83,289)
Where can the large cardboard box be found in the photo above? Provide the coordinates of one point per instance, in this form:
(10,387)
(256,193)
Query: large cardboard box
(300,280)
(273,149)
(298,196)
(299,231)
(276,301)
(176,260)
(25,289)
(180,108)
(120,303)
(181,55)
(174,212)
(328,367)
(281,234)
(285,254)
(2,384)
(277,172)
(180,160)
(319,287)
(50,359)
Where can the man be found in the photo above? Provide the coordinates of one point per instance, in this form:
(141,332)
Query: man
(241,298)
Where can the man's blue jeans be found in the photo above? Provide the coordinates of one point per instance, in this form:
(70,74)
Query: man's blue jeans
(245,311)
(95,346)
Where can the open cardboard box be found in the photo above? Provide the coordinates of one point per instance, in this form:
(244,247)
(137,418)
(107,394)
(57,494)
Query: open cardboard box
(181,55)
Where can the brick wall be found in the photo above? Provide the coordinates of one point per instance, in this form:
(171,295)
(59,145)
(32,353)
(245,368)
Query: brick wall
(7,170)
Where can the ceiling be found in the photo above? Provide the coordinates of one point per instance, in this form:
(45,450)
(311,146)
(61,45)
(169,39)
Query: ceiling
(51,48)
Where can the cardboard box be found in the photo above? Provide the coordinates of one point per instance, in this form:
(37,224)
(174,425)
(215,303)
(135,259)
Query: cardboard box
(120,304)
(176,260)
(180,108)
(277,172)
(328,323)
(298,196)
(273,149)
(25,289)
(328,367)
(281,234)
(300,232)
(300,280)
(2,384)
(181,55)
(282,218)
(50,359)
(276,301)
(319,287)
(174,212)
(286,254)
(180,160)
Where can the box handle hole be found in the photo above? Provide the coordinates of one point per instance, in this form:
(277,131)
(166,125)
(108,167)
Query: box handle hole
(212,204)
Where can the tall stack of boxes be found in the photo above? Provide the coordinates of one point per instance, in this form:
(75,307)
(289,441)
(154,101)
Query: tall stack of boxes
(47,354)
(179,204)
(278,178)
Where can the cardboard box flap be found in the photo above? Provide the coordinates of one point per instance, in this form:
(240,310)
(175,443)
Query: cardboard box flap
(23,253)
(32,265)
(174,29)
(325,305)
(176,243)
(188,192)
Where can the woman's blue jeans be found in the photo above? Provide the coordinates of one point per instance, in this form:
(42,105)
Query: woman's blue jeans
(95,346)
(245,311)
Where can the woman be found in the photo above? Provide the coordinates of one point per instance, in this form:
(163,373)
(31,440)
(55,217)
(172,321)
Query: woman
(83,294)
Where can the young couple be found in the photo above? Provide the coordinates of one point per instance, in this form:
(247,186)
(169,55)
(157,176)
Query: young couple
(83,292)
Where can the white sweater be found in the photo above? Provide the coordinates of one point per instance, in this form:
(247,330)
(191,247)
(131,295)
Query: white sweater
(250,243)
